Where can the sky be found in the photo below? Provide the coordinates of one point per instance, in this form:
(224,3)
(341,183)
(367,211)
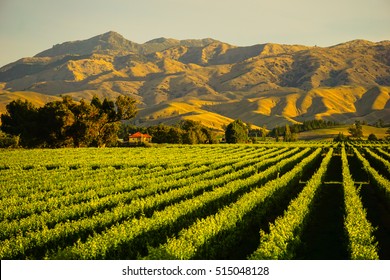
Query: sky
(28,27)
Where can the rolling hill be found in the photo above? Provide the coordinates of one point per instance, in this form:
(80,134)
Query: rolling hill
(212,81)
(331,133)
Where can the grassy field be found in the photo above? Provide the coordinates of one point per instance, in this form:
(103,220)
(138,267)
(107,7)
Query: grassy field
(330,133)
(265,201)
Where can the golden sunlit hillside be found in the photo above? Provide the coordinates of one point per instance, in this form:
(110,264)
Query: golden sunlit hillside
(211,81)
(331,133)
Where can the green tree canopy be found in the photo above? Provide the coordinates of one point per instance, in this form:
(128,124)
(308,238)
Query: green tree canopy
(21,120)
(288,135)
(340,137)
(185,132)
(68,123)
(196,133)
(356,130)
(372,137)
(236,132)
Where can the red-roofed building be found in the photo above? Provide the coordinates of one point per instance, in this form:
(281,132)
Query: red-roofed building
(138,138)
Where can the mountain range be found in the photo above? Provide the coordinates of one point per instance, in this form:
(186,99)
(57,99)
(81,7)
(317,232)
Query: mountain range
(211,81)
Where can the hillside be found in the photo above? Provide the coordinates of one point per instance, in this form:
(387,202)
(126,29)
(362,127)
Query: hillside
(212,81)
(331,133)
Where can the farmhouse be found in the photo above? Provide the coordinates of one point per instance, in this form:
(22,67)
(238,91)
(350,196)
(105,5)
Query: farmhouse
(138,138)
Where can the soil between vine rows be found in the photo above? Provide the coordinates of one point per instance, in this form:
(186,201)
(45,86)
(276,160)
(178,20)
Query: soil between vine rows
(249,228)
(324,237)
(377,208)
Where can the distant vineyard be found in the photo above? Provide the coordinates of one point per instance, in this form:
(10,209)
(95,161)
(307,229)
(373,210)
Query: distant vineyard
(266,201)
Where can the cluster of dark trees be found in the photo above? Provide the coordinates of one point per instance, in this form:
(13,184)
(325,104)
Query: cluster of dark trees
(356,133)
(285,134)
(341,137)
(9,141)
(288,136)
(279,131)
(240,132)
(289,133)
(356,130)
(237,132)
(184,132)
(67,123)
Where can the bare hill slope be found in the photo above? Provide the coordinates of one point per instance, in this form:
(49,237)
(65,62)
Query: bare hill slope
(212,81)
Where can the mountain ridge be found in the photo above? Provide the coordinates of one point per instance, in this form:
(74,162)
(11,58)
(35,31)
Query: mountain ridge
(206,79)
(114,42)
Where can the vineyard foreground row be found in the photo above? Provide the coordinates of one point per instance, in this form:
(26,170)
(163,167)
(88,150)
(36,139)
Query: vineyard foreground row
(265,201)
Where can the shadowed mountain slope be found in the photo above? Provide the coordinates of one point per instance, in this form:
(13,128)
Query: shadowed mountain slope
(212,81)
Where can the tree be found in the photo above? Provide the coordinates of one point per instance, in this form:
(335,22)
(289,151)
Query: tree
(196,133)
(185,132)
(125,109)
(248,126)
(88,124)
(190,137)
(236,132)
(175,135)
(211,136)
(21,119)
(103,122)
(264,133)
(356,130)
(98,123)
(340,137)
(166,134)
(379,123)
(288,135)
(276,136)
(55,119)
(372,137)
(8,141)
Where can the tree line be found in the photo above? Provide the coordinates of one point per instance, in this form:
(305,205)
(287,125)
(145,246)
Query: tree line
(184,132)
(99,123)
(240,132)
(356,132)
(67,123)
(300,127)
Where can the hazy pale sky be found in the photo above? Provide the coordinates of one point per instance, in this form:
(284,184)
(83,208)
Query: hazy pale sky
(28,27)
